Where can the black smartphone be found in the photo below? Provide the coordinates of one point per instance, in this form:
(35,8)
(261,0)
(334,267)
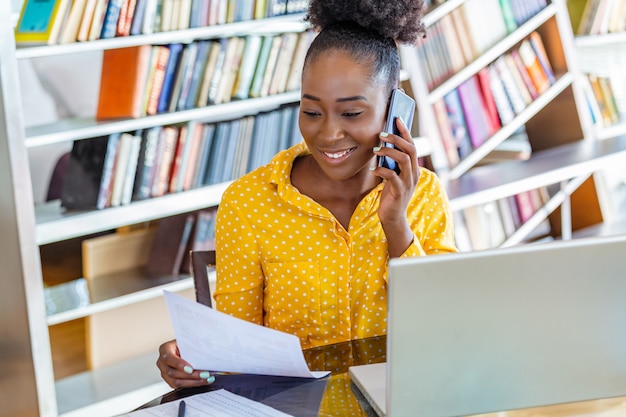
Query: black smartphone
(403,106)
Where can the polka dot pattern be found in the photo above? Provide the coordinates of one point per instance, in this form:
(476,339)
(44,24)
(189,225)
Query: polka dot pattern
(285,262)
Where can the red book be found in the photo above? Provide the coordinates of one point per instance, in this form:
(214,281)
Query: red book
(157,79)
(490,103)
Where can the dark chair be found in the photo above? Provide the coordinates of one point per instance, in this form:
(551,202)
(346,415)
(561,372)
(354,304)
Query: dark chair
(200,262)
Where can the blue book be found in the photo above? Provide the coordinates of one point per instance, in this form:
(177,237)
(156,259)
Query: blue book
(109,25)
(136,28)
(169,77)
(197,72)
(203,157)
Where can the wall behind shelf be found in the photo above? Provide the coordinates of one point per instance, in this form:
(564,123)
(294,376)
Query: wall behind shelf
(53,88)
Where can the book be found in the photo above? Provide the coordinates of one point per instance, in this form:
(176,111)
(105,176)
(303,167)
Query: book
(87,18)
(88,171)
(165,159)
(121,168)
(533,67)
(199,68)
(150,17)
(170,242)
(177,162)
(37,20)
(208,131)
(484,36)
(241,88)
(457,123)
(204,82)
(278,83)
(508,15)
(524,74)
(122,82)
(453,44)
(183,81)
(484,83)
(608,96)
(69,32)
(525,206)
(169,76)
(111,17)
(217,72)
(445,132)
(261,65)
(295,72)
(146,162)
(503,105)
(517,79)
(467,45)
(186,58)
(510,86)
(606,113)
(191,160)
(126,18)
(162,54)
(270,67)
(232,59)
(97,20)
(131,169)
(540,51)
(476,119)
(136,25)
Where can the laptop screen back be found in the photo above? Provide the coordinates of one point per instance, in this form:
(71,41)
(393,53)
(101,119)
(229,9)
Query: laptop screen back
(505,329)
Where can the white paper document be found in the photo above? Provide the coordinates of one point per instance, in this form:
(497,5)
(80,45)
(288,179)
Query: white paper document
(220,403)
(214,341)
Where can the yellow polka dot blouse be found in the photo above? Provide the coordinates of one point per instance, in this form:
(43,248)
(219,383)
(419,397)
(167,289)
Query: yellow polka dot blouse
(284,261)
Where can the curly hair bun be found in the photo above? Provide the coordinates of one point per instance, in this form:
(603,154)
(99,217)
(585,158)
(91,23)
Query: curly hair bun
(400,20)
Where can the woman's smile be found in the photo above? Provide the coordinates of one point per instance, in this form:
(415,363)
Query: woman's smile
(338,155)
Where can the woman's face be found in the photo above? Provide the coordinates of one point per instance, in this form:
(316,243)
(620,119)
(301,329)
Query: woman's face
(342,113)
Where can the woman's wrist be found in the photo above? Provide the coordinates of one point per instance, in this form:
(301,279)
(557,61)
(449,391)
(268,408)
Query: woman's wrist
(399,238)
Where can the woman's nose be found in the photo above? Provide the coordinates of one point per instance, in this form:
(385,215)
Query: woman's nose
(332,129)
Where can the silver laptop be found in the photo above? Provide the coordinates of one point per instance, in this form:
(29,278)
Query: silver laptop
(502,329)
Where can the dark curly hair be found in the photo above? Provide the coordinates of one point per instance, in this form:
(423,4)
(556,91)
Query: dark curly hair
(368,30)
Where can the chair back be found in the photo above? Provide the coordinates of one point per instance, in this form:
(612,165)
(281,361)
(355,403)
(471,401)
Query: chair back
(200,261)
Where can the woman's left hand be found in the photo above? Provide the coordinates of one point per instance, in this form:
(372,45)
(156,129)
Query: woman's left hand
(399,188)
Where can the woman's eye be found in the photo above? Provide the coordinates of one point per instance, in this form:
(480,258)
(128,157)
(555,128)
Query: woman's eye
(310,113)
(351,115)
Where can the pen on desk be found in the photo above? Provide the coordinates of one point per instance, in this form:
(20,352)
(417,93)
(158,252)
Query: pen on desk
(181,409)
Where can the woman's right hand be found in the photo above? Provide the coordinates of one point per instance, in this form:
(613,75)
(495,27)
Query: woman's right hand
(177,372)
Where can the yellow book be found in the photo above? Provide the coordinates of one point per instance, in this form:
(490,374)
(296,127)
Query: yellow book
(39,19)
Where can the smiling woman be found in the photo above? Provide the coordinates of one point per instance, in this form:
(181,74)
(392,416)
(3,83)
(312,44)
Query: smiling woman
(303,243)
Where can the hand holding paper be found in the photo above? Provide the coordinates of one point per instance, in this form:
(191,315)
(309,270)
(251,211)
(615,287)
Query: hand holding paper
(214,341)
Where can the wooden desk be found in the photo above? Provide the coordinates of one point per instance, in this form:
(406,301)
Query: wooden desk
(335,396)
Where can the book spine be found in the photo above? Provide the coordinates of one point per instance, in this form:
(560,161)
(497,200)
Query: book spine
(109,26)
(107,172)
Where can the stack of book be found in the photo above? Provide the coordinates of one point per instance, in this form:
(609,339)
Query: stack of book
(455,40)
(468,115)
(150,79)
(117,169)
(489,225)
(602,16)
(67,21)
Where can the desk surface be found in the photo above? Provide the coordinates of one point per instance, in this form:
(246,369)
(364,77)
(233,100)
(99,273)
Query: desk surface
(337,396)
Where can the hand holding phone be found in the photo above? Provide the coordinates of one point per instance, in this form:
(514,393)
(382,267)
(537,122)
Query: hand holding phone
(402,106)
